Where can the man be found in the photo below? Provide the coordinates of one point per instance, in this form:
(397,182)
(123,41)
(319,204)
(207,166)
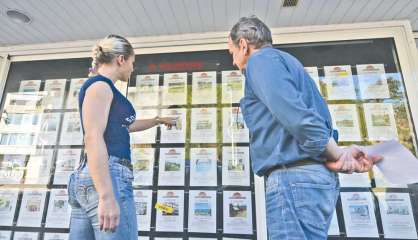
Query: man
(291,141)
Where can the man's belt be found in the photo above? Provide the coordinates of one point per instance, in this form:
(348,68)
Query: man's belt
(291,165)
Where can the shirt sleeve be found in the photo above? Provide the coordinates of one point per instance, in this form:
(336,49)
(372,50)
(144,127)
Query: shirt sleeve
(274,85)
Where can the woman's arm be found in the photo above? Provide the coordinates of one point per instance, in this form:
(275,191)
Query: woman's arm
(144,124)
(95,109)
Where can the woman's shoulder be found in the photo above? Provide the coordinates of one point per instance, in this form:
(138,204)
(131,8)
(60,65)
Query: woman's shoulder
(98,80)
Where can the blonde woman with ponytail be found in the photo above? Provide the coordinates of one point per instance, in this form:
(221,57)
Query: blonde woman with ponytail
(100,190)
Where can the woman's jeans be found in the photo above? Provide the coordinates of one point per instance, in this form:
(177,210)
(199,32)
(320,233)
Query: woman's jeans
(84,200)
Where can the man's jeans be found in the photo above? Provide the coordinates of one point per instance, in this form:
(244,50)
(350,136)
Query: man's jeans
(300,202)
(83,199)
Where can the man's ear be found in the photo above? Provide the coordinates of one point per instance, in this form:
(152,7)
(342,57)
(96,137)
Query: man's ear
(243,44)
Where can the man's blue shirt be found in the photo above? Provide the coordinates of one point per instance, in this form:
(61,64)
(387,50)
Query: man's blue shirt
(287,117)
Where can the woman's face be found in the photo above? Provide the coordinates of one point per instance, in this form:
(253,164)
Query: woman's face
(126,67)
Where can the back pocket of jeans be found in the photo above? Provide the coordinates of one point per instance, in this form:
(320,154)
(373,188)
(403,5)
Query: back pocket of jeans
(314,199)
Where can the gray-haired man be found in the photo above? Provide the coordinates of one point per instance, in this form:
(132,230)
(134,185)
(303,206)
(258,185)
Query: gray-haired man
(291,133)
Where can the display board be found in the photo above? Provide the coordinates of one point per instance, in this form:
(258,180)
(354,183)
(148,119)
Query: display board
(201,167)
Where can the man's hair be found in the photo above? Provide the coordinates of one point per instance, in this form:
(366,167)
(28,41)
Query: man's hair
(253,30)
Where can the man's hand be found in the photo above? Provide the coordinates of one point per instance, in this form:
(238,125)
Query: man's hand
(353,159)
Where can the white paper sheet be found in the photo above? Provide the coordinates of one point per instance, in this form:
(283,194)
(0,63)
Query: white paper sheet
(202,211)
(67,161)
(234,128)
(147,90)
(235,166)
(40,167)
(71,132)
(232,86)
(5,235)
(59,211)
(143,201)
(397,215)
(55,236)
(30,85)
(339,82)
(174,89)
(25,102)
(203,167)
(380,121)
(203,125)
(17,143)
(381,180)
(204,88)
(8,200)
(143,165)
(399,165)
(359,217)
(354,179)
(50,123)
(148,135)
(20,122)
(25,236)
(372,81)
(177,134)
(237,213)
(54,89)
(72,97)
(171,167)
(12,168)
(32,208)
(170,222)
(345,120)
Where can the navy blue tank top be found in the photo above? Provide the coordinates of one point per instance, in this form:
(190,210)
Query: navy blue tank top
(121,115)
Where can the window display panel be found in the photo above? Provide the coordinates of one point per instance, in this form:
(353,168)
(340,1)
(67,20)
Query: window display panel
(187,167)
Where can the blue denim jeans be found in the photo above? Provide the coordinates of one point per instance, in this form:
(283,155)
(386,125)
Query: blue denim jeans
(300,202)
(83,199)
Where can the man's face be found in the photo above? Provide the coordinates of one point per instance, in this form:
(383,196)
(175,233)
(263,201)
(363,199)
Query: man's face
(239,53)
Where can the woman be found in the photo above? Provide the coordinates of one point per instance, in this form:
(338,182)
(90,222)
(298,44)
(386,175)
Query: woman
(100,190)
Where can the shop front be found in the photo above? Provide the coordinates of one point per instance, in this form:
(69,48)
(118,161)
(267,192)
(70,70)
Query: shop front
(201,168)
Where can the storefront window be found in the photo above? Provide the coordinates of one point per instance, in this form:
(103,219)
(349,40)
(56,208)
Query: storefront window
(200,167)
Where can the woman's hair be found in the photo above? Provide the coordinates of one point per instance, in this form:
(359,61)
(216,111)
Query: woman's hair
(107,49)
